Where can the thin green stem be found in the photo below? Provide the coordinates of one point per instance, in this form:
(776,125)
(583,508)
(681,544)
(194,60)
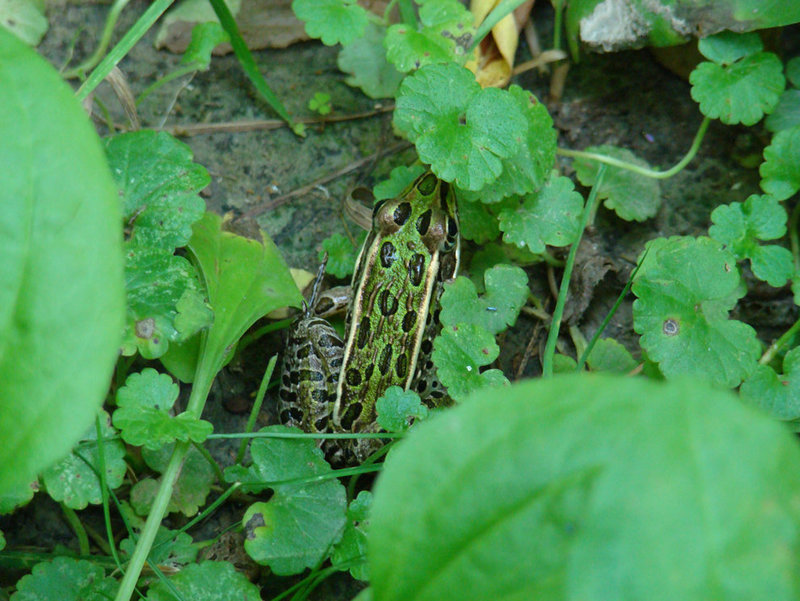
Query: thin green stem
(653,173)
(388,11)
(504,8)
(555,325)
(558,6)
(105,38)
(781,342)
(101,461)
(75,523)
(211,461)
(118,52)
(165,80)
(407,13)
(794,220)
(251,420)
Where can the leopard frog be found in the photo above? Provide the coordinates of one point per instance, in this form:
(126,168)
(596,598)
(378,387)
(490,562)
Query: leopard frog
(329,384)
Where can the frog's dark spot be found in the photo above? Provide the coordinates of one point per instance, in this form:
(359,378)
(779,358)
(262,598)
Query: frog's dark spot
(388,254)
(363,332)
(429,365)
(336,362)
(285,379)
(421,386)
(402,213)
(321,424)
(437,394)
(387,303)
(401,366)
(324,305)
(416,268)
(427,346)
(328,341)
(353,377)
(351,415)
(385,360)
(368,371)
(311,375)
(378,207)
(424,222)
(294,377)
(409,319)
(319,396)
(426,184)
(303,352)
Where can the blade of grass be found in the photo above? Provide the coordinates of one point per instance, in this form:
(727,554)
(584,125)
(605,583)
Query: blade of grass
(506,7)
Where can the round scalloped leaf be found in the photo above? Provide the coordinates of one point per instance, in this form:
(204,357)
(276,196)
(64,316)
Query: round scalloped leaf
(73,480)
(780,171)
(610,356)
(631,196)
(589,487)
(462,131)
(786,113)
(476,221)
(741,92)
(793,71)
(400,178)
(170,547)
(686,287)
(365,61)
(65,579)
(778,395)
(332,21)
(549,216)
(341,254)
(396,407)
(206,581)
(727,47)
(160,186)
(408,49)
(61,291)
(353,545)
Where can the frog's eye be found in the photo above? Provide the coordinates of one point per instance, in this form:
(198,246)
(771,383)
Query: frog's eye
(378,206)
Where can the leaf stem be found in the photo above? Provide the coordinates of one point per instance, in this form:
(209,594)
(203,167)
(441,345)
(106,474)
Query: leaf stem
(407,13)
(111,20)
(75,523)
(251,420)
(652,173)
(781,342)
(555,325)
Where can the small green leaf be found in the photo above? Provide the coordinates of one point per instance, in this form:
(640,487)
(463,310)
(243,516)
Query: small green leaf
(143,413)
(728,47)
(459,352)
(778,395)
(206,581)
(632,196)
(609,355)
(341,255)
(589,487)
(73,480)
(498,308)
(462,131)
(18,497)
(205,37)
(741,92)
(170,547)
(2,541)
(399,179)
(740,227)
(332,21)
(25,19)
(686,288)
(786,113)
(190,490)
(477,222)
(321,103)
(365,61)
(549,216)
(793,71)
(780,171)
(65,579)
(564,364)
(159,185)
(350,552)
(297,527)
(397,407)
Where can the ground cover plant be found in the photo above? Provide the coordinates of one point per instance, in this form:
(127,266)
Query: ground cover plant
(612,472)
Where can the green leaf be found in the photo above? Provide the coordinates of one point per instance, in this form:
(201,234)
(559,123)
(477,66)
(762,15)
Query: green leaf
(297,527)
(459,352)
(350,552)
(190,490)
(443,34)
(778,395)
(477,222)
(206,581)
(65,579)
(158,283)
(24,19)
(244,279)
(686,288)
(780,171)
(786,113)
(2,541)
(159,185)
(321,103)
(462,131)
(549,216)
(740,227)
(61,298)
(589,487)
(399,179)
(793,71)
(73,480)
(143,413)
(728,47)
(632,196)
(741,92)
(332,21)
(609,355)
(170,547)
(18,497)
(397,407)
(341,255)
(365,61)
(498,308)
(205,37)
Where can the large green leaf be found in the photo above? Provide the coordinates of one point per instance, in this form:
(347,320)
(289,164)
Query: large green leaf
(61,298)
(590,487)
